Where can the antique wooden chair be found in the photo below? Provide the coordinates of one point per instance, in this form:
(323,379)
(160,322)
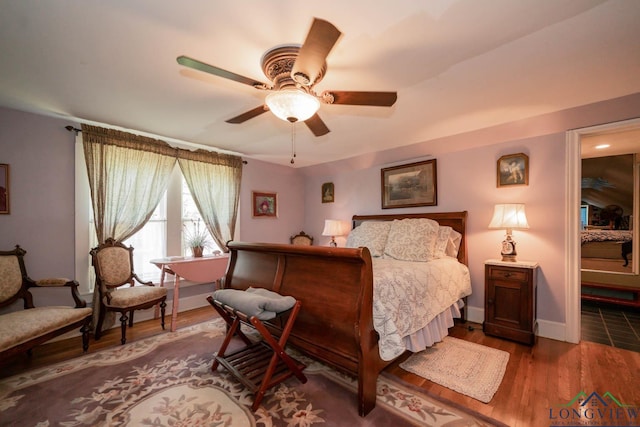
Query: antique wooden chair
(23,329)
(113,264)
(301,239)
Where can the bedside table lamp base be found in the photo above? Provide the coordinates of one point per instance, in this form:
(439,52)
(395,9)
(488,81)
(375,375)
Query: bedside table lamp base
(509,248)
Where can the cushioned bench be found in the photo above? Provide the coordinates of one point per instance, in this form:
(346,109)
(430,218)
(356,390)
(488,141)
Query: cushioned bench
(24,329)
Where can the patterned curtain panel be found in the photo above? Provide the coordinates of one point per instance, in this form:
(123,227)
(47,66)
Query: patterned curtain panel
(128,174)
(214,182)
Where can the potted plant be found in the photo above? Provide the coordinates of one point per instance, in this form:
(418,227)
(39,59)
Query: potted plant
(196,238)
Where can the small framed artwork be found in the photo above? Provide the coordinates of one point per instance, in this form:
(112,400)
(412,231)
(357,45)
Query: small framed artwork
(410,185)
(265,205)
(327,192)
(513,169)
(4,188)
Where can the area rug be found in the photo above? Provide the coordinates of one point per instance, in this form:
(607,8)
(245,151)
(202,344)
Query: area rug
(468,368)
(166,380)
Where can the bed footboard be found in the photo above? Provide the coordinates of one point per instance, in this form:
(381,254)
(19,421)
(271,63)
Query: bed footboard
(335,287)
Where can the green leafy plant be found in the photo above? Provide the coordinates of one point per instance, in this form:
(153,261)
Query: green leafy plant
(196,235)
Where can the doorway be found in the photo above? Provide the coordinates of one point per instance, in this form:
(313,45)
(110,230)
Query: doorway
(574,224)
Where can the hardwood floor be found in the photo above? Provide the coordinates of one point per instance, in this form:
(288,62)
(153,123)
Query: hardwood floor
(538,378)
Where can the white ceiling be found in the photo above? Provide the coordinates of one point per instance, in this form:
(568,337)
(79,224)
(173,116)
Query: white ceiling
(457,65)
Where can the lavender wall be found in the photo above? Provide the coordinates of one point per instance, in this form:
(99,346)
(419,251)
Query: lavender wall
(40,154)
(287,182)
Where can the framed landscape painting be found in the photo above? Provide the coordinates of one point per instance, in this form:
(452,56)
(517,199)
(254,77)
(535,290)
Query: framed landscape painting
(265,205)
(513,169)
(410,185)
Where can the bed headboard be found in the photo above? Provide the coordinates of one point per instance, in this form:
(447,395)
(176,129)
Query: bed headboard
(455,220)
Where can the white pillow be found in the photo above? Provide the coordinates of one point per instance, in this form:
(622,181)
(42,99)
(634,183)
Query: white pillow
(412,239)
(453,245)
(442,241)
(370,234)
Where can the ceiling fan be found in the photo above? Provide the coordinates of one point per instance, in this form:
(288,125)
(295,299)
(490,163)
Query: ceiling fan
(294,70)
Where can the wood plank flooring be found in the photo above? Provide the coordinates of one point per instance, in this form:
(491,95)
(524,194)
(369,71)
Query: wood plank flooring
(537,378)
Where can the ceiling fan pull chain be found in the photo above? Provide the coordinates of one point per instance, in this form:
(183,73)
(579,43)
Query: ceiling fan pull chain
(293,142)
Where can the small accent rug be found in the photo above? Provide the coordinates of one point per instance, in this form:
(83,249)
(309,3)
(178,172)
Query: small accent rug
(468,368)
(166,380)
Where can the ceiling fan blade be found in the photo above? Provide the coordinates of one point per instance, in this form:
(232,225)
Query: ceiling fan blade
(248,115)
(201,66)
(316,125)
(312,55)
(378,99)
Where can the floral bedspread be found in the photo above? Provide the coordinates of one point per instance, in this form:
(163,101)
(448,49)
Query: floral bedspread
(408,295)
(606,236)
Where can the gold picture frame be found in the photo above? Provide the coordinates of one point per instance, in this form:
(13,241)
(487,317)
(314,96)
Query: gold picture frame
(410,185)
(328,195)
(265,205)
(513,170)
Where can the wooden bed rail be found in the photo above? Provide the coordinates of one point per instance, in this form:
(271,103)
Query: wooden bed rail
(335,287)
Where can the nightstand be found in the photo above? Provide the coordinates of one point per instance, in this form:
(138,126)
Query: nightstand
(510,300)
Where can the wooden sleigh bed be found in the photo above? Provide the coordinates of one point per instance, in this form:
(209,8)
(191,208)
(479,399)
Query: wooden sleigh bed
(335,286)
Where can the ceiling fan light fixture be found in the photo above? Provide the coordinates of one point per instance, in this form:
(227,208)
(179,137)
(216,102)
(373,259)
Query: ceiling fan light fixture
(292,105)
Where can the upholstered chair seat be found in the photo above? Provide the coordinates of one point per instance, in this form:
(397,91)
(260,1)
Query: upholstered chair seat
(129,297)
(21,326)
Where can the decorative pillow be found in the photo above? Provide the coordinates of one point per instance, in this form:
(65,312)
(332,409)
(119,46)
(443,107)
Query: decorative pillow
(442,240)
(453,245)
(370,234)
(412,239)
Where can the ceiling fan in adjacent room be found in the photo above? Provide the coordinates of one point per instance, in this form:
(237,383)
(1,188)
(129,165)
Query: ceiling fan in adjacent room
(294,70)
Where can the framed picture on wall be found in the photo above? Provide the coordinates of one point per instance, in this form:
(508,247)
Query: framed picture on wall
(410,185)
(265,205)
(4,188)
(327,192)
(513,169)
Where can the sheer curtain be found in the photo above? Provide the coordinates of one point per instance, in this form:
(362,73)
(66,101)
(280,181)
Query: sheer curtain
(128,174)
(214,182)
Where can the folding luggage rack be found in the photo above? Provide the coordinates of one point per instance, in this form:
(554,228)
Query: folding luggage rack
(261,364)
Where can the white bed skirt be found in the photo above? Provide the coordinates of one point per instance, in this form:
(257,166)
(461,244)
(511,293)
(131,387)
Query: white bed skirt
(435,330)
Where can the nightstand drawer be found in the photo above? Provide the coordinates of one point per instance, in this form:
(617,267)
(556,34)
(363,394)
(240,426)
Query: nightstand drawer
(508,273)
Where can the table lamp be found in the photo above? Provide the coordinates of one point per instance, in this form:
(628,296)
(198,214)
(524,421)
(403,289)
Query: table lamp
(509,216)
(333,228)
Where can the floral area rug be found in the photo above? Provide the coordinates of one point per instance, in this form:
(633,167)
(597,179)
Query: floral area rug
(166,380)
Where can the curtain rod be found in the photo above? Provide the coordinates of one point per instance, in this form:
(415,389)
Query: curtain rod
(76,130)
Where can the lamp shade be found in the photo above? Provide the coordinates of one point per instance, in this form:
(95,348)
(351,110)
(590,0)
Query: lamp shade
(292,105)
(332,227)
(509,216)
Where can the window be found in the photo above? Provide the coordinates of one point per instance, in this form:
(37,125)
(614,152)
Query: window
(192,222)
(163,235)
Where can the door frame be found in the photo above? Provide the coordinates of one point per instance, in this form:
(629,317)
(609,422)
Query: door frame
(572,219)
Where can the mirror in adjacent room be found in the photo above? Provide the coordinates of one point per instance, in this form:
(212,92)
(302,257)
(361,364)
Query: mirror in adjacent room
(609,203)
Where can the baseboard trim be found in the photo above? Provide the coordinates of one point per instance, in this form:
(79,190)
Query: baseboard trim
(546,328)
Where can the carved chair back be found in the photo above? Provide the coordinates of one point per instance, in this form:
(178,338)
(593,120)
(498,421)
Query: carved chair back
(12,274)
(302,239)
